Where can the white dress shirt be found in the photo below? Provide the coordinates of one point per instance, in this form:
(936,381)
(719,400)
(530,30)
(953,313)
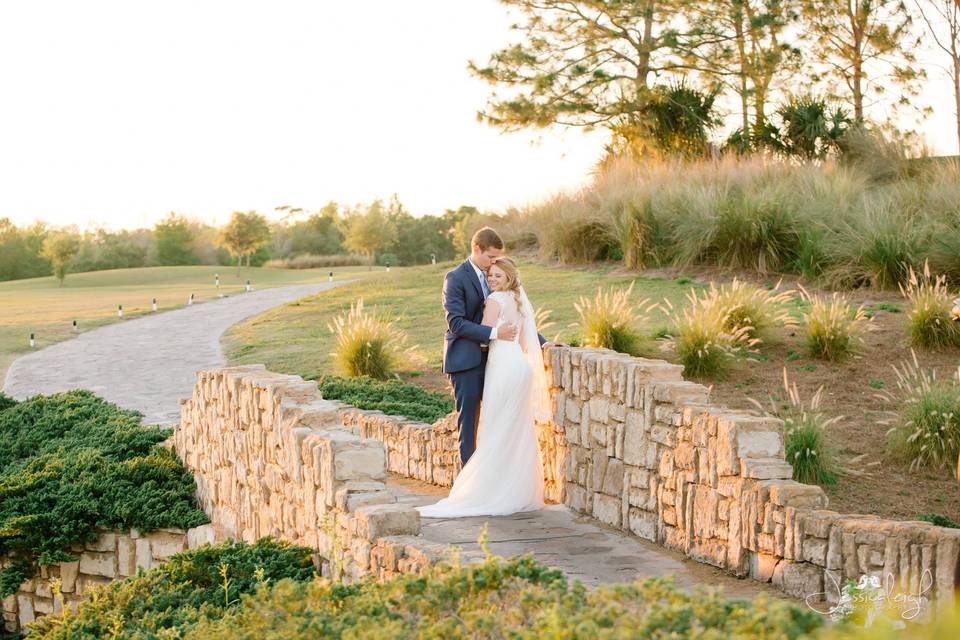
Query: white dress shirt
(484,286)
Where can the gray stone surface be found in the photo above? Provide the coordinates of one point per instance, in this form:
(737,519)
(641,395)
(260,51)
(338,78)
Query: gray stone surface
(583,549)
(149,363)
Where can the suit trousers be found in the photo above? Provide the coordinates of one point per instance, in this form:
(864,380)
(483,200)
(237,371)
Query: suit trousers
(468,391)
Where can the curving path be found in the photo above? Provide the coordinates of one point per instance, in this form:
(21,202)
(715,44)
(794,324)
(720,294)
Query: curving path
(149,363)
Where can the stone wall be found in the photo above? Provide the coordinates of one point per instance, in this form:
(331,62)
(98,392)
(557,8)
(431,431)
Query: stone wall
(271,457)
(635,446)
(112,556)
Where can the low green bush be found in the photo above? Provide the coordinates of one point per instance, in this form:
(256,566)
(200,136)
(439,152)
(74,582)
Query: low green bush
(940,521)
(516,598)
(72,462)
(165,602)
(6,402)
(390,396)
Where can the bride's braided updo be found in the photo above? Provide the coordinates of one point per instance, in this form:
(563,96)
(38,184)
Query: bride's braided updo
(509,268)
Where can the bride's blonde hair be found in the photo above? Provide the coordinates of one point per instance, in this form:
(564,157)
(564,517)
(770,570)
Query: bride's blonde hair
(509,268)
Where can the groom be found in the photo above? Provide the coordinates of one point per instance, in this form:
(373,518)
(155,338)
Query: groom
(465,346)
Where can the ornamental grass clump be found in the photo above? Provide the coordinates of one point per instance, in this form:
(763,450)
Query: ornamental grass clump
(704,344)
(609,320)
(833,327)
(926,430)
(760,311)
(931,318)
(804,429)
(367,344)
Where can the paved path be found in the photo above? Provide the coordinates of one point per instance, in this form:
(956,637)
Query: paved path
(581,547)
(149,363)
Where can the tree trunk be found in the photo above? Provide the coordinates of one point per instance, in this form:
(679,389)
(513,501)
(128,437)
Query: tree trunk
(956,96)
(743,72)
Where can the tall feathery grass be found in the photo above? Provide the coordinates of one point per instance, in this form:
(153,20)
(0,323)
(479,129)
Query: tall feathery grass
(830,221)
(761,311)
(609,320)
(805,427)
(926,431)
(931,318)
(833,327)
(704,344)
(367,344)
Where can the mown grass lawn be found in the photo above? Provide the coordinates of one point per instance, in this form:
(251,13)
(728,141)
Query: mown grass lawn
(45,308)
(295,338)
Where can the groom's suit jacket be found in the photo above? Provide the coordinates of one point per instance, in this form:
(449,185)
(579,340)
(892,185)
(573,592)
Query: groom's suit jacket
(463,303)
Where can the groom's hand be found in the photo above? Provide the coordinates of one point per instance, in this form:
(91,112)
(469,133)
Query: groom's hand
(506,332)
(547,345)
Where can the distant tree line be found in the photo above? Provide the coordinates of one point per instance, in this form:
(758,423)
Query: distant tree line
(381,232)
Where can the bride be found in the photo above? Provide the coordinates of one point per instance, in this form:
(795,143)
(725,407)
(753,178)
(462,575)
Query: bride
(505,473)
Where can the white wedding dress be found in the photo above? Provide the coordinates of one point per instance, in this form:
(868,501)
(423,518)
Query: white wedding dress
(505,473)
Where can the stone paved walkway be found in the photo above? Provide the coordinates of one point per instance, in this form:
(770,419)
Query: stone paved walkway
(578,545)
(149,363)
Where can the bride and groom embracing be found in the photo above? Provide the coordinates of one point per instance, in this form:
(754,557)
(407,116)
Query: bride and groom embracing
(493,356)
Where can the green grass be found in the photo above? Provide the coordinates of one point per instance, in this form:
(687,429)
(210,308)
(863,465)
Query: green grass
(295,339)
(43,307)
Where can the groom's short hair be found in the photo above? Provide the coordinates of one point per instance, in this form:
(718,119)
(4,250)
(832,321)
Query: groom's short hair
(485,238)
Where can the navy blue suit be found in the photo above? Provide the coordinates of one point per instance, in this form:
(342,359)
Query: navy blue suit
(463,358)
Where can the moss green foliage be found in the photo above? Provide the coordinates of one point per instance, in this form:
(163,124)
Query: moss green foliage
(72,462)
(13,576)
(940,521)
(390,396)
(6,402)
(515,598)
(166,601)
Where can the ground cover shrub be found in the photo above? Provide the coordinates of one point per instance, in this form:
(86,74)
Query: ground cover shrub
(833,327)
(72,462)
(926,429)
(609,320)
(940,521)
(6,401)
(930,319)
(165,602)
(367,343)
(514,598)
(390,396)
(704,345)
(311,261)
(760,311)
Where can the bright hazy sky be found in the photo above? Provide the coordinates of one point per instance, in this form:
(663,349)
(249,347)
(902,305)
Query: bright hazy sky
(115,113)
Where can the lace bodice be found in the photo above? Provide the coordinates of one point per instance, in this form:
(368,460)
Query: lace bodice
(509,313)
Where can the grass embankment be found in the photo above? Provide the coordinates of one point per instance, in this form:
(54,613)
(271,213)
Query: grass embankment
(45,308)
(295,338)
